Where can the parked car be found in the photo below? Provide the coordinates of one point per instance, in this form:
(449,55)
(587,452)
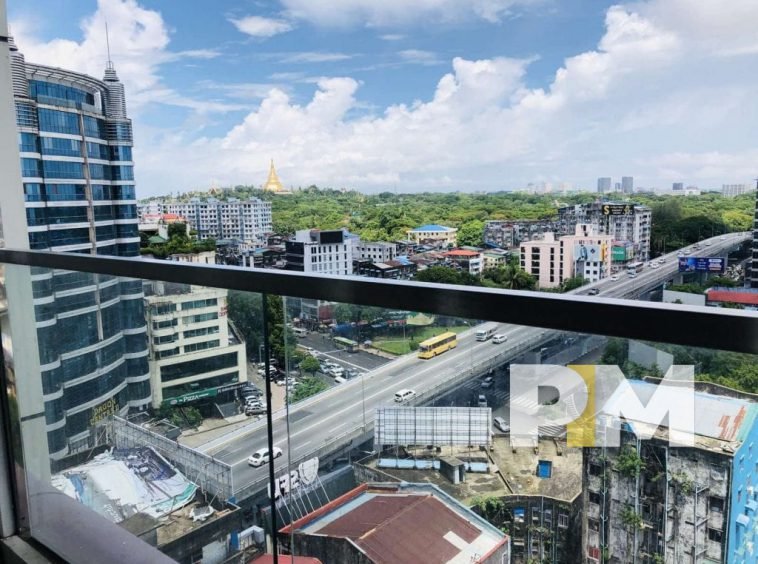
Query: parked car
(261,456)
(499,338)
(337,372)
(254,409)
(488,382)
(482,400)
(501,425)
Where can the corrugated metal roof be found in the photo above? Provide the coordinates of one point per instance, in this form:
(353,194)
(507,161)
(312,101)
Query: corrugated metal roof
(734,296)
(404,528)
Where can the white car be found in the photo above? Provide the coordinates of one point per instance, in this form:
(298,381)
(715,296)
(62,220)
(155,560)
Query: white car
(499,338)
(615,277)
(501,424)
(261,456)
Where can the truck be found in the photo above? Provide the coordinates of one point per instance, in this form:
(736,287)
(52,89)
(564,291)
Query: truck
(486,333)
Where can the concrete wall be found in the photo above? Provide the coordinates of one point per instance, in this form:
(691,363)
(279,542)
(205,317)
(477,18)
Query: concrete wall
(687,298)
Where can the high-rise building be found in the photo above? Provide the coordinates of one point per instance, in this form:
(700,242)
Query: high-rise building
(732,190)
(677,186)
(627,184)
(246,220)
(325,252)
(75,140)
(194,351)
(604,184)
(510,233)
(623,221)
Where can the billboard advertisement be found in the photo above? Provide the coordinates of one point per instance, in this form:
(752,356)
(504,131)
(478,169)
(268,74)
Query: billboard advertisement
(589,252)
(702,264)
(618,209)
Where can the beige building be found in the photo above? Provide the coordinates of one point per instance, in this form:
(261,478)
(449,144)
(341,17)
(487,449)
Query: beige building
(195,352)
(435,234)
(552,261)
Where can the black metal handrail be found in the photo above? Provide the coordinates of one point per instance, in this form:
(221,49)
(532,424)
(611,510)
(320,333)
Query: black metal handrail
(714,328)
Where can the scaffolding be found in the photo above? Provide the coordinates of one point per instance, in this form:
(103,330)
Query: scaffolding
(211,475)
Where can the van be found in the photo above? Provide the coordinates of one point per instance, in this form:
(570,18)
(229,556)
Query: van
(405,395)
(501,425)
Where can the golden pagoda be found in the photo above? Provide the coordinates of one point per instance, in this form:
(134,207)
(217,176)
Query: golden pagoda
(273,184)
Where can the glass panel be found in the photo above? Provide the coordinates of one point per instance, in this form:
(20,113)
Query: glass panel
(108,374)
(490,418)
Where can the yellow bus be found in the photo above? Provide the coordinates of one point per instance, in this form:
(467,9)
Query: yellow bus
(437,345)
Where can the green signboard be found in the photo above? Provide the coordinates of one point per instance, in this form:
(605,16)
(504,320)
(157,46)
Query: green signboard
(618,254)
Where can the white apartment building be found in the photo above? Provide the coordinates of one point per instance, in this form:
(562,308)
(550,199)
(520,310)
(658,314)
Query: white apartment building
(552,261)
(732,190)
(322,252)
(375,251)
(248,220)
(194,352)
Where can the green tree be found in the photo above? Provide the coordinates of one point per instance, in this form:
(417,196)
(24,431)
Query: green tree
(308,387)
(310,364)
(572,283)
(470,233)
(616,352)
(245,311)
(447,275)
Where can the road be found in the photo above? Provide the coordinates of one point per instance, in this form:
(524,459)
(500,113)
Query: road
(350,406)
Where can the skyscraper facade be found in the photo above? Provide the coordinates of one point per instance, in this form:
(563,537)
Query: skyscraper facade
(75,141)
(677,186)
(604,184)
(627,184)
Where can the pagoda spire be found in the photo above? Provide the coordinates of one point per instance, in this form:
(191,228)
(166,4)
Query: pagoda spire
(273,184)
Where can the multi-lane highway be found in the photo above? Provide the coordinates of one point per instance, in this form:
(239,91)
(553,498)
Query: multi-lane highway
(348,408)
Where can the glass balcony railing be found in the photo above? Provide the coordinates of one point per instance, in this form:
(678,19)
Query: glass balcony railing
(564,428)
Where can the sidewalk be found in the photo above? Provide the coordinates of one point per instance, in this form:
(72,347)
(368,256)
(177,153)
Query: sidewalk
(213,428)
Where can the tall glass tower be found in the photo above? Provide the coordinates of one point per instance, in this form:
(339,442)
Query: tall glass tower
(76,164)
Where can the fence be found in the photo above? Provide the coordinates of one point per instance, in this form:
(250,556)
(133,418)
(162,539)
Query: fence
(213,476)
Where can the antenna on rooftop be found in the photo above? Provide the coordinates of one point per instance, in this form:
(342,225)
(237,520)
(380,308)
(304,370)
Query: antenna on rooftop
(108,45)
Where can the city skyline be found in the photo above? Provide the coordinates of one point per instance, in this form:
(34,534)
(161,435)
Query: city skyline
(354,102)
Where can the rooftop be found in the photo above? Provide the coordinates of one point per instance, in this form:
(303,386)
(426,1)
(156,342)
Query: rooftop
(433,227)
(395,523)
(462,253)
(719,420)
(744,296)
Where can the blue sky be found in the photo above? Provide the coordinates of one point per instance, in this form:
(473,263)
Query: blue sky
(426,95)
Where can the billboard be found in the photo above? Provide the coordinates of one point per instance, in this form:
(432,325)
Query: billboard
(702,264)
(590,252)
(618,209)
(432,426)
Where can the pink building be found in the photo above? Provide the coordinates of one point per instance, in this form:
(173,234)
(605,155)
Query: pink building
(552,261)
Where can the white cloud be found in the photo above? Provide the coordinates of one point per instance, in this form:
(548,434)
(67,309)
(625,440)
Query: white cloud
(668,93)
(139,42)
(419,57)
(394,12)
(392,37)
(652,100)
(314,57)
(257,26)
